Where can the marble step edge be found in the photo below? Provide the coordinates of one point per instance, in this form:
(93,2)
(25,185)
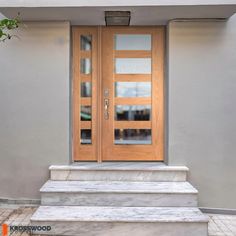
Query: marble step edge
(118,214)
(118,168)
(63,186)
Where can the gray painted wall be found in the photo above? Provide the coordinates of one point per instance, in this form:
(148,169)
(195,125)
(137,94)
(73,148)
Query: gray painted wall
(91,3)
(202,114)
(34,107)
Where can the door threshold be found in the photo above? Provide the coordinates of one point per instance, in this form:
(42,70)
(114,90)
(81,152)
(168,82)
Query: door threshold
(120,164)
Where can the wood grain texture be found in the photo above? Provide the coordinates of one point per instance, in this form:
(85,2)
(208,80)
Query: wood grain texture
(84,152)
(132,101)
(76,93)
(132,77)
(85,101)
(153,151)
(85,54)
(103,78)
(132,54)
(99,97)
(133,125)
(85,78)
(86,124)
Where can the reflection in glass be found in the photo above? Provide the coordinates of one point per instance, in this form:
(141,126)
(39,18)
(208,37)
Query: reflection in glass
(133,89)
(133,136)
(85,65)
(137,112)
(85,42)
(85,137)
(85,113)
(133,42)
(133,66)
(85,89)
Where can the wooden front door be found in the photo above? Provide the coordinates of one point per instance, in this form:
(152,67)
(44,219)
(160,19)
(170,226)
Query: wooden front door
(118,93)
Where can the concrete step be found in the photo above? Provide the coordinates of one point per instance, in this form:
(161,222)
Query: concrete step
(114,193)
(117,221)
(115,171)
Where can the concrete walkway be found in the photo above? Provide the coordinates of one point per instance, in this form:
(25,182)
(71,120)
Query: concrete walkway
(220,225)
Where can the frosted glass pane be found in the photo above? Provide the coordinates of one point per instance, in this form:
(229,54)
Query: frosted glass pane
(85,42)
(133,66)
(133,42)
(85,113)
(133,136)
(85,65)
(86,136)
(132,112)
(133,89)
(85,89)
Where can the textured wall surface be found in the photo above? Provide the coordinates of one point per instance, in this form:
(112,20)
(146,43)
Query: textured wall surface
(201,95)
(72,3)
(202,114)
(34,107)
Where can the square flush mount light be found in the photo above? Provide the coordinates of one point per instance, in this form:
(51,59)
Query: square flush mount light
(117,18)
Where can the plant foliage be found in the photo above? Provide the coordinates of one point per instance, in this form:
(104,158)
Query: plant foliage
(6,25)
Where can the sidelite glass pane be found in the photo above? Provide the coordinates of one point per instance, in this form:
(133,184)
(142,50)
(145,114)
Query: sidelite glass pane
(133,66)
(86,90)
(85,136)
(85,65)
(133,89)
(130,113)
(85,113)
(133,136)
(133,42)
(85,42)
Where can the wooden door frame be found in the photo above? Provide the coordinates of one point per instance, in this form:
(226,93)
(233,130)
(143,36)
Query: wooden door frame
(84,152)
(96,55)
(136,152)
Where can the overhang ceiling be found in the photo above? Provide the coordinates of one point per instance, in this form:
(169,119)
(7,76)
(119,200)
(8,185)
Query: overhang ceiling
(140,15)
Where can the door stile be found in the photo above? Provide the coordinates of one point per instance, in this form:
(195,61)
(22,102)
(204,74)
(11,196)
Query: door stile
(76,94)
(158,91)
(107,87)
(99,95)
(160,121)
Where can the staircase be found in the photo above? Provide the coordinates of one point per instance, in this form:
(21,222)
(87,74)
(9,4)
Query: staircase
(117,199)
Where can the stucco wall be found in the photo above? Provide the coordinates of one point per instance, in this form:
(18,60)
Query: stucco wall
(202,107)
(201,95)
(34,107)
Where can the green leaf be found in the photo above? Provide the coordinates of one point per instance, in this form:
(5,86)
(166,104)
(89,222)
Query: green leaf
(8,24)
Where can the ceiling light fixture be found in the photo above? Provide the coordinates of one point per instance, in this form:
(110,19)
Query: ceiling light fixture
(117,18)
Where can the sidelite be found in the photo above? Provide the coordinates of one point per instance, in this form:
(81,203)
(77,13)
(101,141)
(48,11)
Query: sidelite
(118,108)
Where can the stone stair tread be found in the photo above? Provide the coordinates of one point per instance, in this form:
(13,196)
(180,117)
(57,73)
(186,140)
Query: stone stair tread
(113,166)
(118,214)
(117,187)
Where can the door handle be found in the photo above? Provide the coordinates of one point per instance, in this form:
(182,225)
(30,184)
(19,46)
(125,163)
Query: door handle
(106,107)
